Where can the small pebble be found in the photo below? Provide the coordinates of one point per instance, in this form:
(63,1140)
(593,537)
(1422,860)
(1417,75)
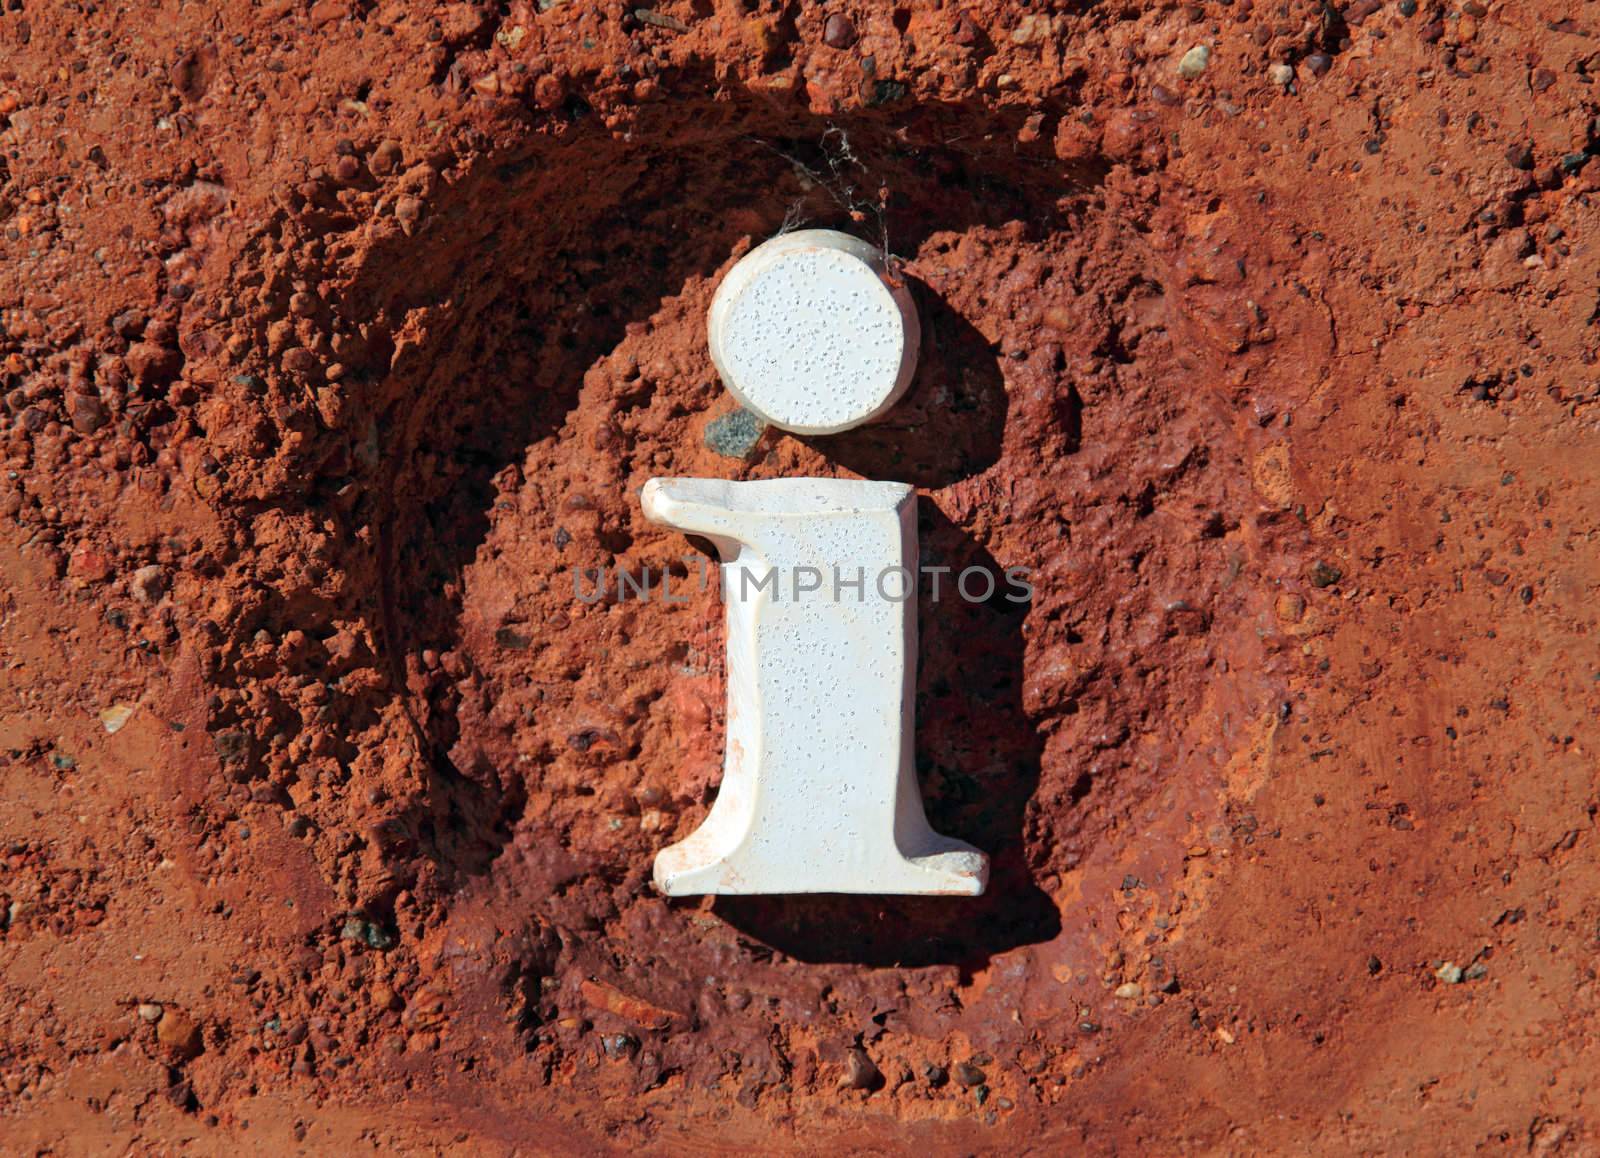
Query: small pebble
(838,32)
(1194,61)
(149,583)
(384,997)
(408,212)
(386,158)
(180,1033)
(367,932)
(1319,63)
(735,435)
(1032,29)
(859,1072)
(1450,973)
(114,718)
(150,1011)
(968,1075)
(659,20)
(1290,607)
(1324,574)
(549,91)
(1281,75)
(1130,990)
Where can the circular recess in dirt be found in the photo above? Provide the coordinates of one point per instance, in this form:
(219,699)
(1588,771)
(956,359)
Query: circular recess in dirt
(537,351)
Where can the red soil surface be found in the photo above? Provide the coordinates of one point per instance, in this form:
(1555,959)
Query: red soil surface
(334,335)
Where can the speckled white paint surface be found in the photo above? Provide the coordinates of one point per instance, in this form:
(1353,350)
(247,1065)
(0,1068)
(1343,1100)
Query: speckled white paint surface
(809,334)
(819,790)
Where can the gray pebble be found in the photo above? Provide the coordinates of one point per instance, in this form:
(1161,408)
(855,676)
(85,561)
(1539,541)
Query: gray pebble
(1194,61)
(735,435)
(1323,574)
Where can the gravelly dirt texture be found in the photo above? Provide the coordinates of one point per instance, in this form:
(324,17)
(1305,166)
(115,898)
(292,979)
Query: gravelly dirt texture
(335,335)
